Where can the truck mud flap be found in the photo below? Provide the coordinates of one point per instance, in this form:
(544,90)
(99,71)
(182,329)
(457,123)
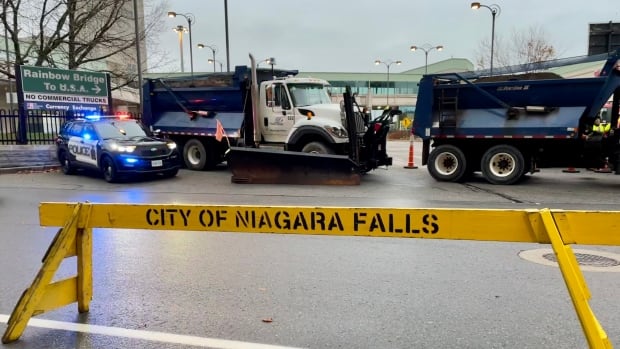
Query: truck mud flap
(264,166)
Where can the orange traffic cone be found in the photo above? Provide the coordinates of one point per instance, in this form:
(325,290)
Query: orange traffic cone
(605,168)
(410,164)
(571,170)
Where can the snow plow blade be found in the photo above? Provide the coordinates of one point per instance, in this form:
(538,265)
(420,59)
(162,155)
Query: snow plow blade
(264,166)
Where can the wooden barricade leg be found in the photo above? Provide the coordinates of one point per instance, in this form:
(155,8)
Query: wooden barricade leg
(84,249)
(575,283)
(43,295)
(84,244)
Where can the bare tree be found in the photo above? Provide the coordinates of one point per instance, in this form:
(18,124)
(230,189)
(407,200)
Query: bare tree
(533,46)
(523,48)
(86,34)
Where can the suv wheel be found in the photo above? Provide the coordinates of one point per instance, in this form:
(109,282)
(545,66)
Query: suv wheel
(170,173)
(65,164)
(109,170)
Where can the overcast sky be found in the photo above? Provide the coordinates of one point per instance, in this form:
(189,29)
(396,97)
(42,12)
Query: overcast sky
(347,36)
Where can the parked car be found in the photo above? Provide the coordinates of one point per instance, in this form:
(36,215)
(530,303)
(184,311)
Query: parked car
(116,146)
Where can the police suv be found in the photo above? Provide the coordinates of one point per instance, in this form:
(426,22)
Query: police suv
(115,146)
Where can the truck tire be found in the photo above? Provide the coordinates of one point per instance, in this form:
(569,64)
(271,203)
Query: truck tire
(316,148)
(197,157)
(194,155)
(502,164)
(447,163)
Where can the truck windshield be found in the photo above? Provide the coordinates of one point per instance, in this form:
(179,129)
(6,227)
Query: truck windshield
(308,94)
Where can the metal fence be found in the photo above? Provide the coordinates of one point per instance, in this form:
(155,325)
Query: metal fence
(34,127)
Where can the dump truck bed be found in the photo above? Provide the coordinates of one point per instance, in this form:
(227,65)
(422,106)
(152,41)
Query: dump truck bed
(451,105)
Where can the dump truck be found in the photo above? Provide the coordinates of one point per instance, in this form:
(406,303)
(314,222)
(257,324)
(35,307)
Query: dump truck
(269,118)
(508,126)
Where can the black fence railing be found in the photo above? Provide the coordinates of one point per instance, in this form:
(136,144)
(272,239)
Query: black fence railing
(37,126)
(8,126)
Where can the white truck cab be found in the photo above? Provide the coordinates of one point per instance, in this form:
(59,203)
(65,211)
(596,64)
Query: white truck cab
(299,113)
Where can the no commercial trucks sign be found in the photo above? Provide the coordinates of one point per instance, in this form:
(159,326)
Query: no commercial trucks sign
(60,89)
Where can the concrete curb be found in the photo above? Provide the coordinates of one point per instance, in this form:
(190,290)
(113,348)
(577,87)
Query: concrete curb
(29,169)
(27,158)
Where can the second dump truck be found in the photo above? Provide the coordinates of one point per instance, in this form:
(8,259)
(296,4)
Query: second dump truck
(510,125)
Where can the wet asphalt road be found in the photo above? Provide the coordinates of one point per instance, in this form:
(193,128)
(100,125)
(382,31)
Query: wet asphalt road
(318,291)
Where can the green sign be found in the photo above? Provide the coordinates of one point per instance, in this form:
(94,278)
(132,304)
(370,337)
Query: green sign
(64,87)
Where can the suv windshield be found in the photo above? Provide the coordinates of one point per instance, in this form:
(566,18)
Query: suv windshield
(119,129)
(308,94)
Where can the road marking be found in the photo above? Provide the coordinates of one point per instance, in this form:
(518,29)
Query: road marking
(147,335)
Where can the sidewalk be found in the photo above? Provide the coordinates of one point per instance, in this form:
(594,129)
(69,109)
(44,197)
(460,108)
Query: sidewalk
(24,158)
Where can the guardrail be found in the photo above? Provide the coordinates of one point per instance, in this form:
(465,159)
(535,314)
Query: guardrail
(559,228)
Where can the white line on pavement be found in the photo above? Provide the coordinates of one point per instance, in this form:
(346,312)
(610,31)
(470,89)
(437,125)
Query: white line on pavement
(146,335)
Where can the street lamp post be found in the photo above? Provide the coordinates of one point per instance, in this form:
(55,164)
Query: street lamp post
(495,10)
(226,27)
(213,61)
(271,61)
(138,53)
(8,69)
(180,30)
(388,64)
(190,19)
(426,48)
(213,50)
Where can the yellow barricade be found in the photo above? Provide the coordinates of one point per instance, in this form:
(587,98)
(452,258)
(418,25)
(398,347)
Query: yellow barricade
(560,228)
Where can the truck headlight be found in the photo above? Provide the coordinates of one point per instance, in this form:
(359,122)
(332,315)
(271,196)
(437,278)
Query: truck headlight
(171,145)
(122,148)
(337,131)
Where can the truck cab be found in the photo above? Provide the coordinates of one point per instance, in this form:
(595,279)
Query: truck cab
(299,111)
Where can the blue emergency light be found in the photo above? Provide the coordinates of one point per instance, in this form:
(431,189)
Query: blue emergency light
(93,117)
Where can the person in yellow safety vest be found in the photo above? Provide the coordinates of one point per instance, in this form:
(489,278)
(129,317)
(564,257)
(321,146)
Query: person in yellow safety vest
(600,128)
(597,132)
(597,141)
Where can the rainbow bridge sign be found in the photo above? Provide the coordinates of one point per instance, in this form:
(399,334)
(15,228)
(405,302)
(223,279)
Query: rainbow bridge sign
(42,88)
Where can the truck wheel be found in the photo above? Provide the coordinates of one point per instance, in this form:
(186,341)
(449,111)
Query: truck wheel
(316,148)
(194,155)
(447,163)
(502,164)
(197,157)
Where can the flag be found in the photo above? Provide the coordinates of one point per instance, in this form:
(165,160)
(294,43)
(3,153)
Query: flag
(219,130)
